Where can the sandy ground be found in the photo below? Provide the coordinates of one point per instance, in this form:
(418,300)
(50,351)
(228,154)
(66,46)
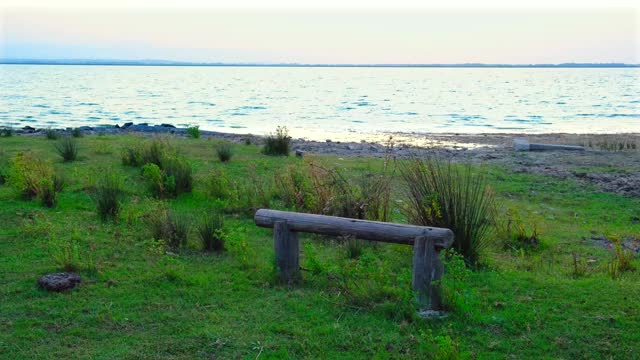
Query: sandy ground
(602,163)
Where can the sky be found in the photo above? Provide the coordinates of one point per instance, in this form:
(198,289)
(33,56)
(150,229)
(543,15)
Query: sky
(372,35)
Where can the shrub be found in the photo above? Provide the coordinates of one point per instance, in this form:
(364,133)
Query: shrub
(51,134)
(278,144)
(224,151)
(108,196)
(194,131)
(178,174)
(170,227)
(445,195)
(66,254)
(211,233)
(77,133)
(68,149)
(6,132)
(354,247)
(155,178)
(218,185)
(33,177)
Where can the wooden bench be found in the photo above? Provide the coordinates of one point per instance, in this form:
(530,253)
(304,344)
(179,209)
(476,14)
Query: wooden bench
(427,243)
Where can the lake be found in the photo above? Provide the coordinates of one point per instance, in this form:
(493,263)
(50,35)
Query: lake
(320,103)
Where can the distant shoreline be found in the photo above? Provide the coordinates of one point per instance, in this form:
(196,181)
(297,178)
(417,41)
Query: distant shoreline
(206,64)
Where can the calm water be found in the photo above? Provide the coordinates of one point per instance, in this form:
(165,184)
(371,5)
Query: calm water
(319,102)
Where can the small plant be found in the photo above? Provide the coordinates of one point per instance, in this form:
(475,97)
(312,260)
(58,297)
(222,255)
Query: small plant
(66,254)
(224,151)
(155,178)
(77,133)
(211,233)
(178,174)
(51,134)
(622,262)
(194,131)
(6,132)
(278,144)
(218,185)
(579,267)
(108,196)
(354,247)
(247,141)
(170,227)
(68,149)
(49,189)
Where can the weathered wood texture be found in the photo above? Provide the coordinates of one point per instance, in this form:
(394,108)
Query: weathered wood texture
(287,249)
(427,244)
(427,268)
(361,229)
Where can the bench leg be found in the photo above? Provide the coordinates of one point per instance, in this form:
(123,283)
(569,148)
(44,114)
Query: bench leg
(427,268)
(287,249)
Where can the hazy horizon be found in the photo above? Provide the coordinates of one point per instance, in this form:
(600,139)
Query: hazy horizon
(324,36)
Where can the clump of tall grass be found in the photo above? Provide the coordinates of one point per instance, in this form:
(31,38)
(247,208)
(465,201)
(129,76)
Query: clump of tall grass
(442,194)
(77,133)
(147,152)
(210,231)
(194,131)
(6,132)
(224,151)
(278,144)
(67,148)
(170,174)
(51,134)
(621,263)
(49,189)
(34,177)
(108,196)
(170,227)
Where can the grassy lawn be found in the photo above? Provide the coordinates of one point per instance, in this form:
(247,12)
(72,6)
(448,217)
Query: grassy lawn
(555,301)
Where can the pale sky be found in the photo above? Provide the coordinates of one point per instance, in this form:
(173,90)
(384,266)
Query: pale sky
(338,35)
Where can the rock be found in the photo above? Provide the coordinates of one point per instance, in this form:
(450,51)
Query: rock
(168,126)
(85,128)
(28,129)
(328,140)
(59,281)
(299,153)
(127,124)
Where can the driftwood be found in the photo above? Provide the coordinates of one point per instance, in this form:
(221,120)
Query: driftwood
(427,244)
(524,145)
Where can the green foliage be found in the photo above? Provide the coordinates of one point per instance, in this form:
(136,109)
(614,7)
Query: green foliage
(170,227)
(34,177)
(442,194)
(51,134)
(513,233)
(108,195)
(66,252)
(178,174)
(210,231)
(6,132)
(67,148)
(77,133)
(148,152)
(218,184)
(278,144)
(194,132)
(155,178)
(224,151)
(621,263)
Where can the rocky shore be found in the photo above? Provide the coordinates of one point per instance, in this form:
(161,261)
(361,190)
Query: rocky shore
(612,161)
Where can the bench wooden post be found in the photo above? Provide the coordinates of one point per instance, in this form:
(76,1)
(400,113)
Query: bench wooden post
(287,249)
(427,269)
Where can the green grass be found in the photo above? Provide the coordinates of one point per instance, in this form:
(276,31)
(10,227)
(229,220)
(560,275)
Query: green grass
(136,301)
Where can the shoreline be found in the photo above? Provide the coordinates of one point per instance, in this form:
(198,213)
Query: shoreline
(602,164)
